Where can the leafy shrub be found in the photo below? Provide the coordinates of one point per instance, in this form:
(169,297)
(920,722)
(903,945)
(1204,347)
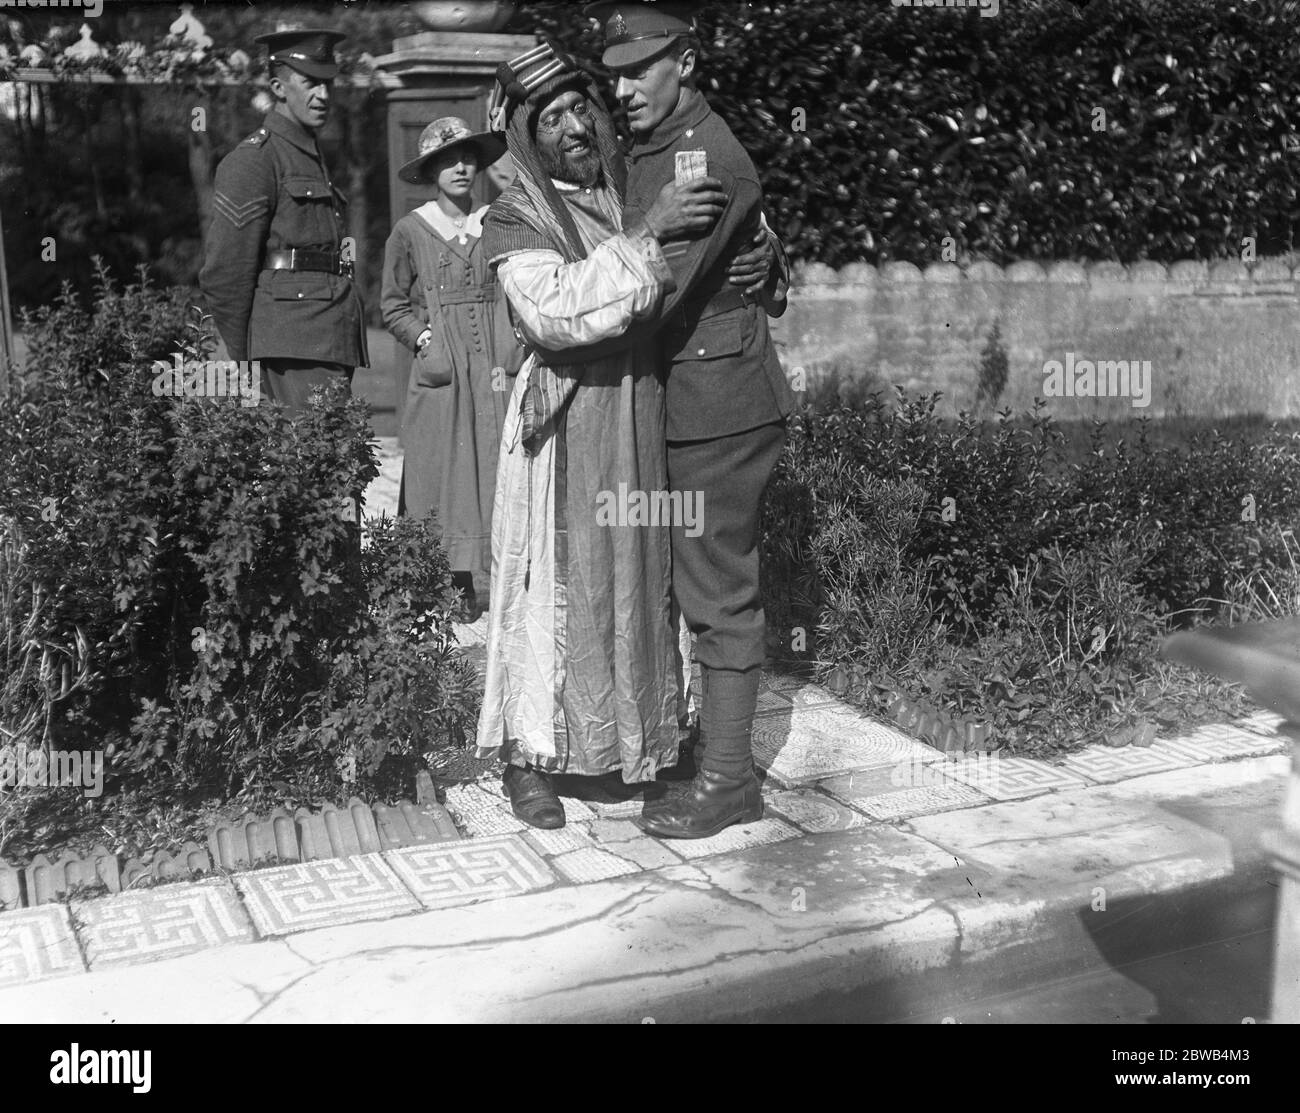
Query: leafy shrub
(183,587)
(1032,600)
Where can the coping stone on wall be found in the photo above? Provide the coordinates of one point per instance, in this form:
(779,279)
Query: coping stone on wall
(1026,271)
(1270,270)
(1189,270)
(983,271)
(1229,270)
(1072,273)
(815,274)
(858,274)
(943,274)
(1107,272)
(902,273)
(1147,270)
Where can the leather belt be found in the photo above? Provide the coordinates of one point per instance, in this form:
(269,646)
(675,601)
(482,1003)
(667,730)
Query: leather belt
(305,259)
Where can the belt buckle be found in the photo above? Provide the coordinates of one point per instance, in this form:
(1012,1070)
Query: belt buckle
(293,258)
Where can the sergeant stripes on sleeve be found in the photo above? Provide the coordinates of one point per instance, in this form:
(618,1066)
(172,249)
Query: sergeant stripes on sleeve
(240,215)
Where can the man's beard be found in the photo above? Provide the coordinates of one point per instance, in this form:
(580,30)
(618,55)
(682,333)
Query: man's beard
(581,169)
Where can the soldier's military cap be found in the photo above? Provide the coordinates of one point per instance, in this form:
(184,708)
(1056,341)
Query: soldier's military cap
(639,32)
(309,50)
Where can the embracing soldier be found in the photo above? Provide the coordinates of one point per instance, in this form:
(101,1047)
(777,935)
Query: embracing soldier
(727,396)
(273,272)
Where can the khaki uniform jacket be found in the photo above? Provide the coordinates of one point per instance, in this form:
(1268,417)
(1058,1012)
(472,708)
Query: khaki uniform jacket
(724,376)
(272,193)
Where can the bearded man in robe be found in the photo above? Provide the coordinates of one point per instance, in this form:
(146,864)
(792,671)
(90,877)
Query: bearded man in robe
(582,667)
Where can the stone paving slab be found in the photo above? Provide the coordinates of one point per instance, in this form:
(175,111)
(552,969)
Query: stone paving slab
(37,943)
(445,874)
(327,892)
(1062,846)
(729,936)
(152,924)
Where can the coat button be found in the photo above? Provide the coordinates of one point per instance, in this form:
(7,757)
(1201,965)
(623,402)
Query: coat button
(300,293)
(700,352)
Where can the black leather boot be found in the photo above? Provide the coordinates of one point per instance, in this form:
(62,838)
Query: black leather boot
(533,798)
(713,803)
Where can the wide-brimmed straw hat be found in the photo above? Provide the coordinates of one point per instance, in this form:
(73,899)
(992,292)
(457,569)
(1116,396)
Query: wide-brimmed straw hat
(443,135)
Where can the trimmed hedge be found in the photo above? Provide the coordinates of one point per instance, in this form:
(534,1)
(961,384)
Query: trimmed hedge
(926,123)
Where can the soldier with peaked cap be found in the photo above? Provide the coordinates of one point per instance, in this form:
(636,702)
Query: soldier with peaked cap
(274,272)
(727,398)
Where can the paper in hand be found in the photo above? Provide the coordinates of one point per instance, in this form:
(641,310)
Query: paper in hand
(691,165)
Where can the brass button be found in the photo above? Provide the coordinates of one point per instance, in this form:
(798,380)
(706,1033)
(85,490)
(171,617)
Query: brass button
(700,352)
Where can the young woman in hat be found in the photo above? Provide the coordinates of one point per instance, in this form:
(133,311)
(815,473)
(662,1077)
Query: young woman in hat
(440,300)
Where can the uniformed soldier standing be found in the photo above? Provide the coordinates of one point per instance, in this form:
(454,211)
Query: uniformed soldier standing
(727,399)
(273,273)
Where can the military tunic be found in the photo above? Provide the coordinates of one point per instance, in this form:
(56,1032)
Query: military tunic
(727,395)
(272,193)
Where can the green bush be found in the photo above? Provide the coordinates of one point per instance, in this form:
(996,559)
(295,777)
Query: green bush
(1033,599)
(183,586)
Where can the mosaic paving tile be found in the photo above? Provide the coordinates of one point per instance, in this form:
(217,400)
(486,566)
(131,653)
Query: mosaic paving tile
(592,864)
(445,874)
(1199,750)
(557,842)
(37,943)
(769,829)
(325,893)
(1263,722)
(823,742)
(1013,778)
(814,811)
(1108,764)
(481,812)
(771,681)
(774,703)
(1232,740)
(576,811)
(624,809)
(153,924)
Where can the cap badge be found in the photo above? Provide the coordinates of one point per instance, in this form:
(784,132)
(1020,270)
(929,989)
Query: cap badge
(617,27)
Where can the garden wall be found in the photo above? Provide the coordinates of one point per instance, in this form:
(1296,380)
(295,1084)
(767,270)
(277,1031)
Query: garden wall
(1220,339)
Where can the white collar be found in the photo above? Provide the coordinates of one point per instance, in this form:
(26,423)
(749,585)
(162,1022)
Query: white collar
(446,227)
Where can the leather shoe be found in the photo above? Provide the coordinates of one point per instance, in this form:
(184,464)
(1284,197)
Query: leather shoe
(712,803)
(533,798)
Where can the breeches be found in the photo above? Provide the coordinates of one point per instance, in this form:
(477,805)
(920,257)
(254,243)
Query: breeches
(715,572)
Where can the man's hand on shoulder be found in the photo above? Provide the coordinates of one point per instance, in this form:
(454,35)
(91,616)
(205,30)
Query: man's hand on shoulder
(688,209)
